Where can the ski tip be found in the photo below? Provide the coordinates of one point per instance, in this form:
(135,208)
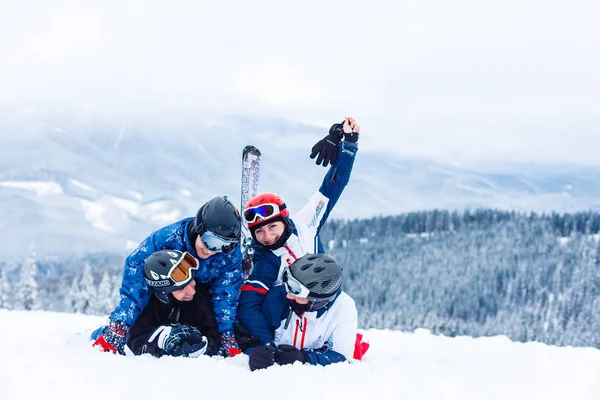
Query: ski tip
(251,149)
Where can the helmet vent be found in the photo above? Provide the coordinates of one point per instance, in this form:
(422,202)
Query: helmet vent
(312,285)
(306,266)
(329,261)
(319,269)
(326,283)
(164,264)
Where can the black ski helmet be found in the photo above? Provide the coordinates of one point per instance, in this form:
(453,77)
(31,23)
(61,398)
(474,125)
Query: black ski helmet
(321,274)
(157,268)
(220,217)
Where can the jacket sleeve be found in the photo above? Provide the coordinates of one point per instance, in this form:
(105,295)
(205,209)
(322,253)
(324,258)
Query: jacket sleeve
(340,345)
(264,274)
(324,357)
(141,338)
(315,213)
(134,290)
(225,289)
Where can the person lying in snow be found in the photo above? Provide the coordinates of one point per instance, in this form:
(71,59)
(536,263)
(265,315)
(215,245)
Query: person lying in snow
(212,238)
(179,319)
(311,319)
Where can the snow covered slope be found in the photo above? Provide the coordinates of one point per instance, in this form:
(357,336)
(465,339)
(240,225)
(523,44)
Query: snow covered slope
(48,355)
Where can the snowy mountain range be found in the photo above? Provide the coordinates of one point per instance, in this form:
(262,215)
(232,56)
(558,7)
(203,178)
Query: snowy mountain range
(79,185)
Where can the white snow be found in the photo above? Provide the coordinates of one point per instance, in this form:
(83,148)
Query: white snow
(48,354)
(137,195)
(94,213)
(166,217)
(42,188)
(128,206)
(82,186)
(158,211)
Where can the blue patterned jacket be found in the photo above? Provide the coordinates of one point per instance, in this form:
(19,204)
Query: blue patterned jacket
(223,272)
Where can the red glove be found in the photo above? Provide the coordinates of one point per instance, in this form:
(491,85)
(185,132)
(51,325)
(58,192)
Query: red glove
(113,338)
(360,347)
(229,346)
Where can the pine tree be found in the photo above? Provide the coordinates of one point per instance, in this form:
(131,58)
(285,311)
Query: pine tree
(87,292)
(26,295)
(104,299)
(72,303)
(116,294)
(5,299)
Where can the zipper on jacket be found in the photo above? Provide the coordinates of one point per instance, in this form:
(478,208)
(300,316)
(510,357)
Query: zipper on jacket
(301,324)
(291,252)
(174,315)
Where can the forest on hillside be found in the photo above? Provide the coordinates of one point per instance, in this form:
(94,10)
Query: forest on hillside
(532,277)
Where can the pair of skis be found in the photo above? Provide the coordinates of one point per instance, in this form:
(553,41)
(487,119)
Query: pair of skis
(250,174)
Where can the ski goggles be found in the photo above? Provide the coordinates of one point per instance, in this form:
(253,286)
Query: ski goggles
(263,211)
(293,286)
(181,272)
(218,244)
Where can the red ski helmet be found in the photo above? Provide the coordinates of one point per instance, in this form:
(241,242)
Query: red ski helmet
(265,208)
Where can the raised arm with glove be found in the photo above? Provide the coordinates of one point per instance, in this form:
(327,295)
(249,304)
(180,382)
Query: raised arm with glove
(327,148)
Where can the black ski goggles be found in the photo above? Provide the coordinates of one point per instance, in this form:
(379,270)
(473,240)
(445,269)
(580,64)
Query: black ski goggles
(217,243)
(293,286)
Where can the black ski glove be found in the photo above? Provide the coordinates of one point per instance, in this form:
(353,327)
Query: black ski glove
(181,340)
(262,357)
(326,148)
(191,347)
(289,354)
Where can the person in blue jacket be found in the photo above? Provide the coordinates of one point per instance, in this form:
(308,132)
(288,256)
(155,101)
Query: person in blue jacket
(279,239)
(311,320)
(213,238)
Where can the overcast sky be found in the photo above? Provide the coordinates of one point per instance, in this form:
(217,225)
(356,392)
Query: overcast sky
(463,81)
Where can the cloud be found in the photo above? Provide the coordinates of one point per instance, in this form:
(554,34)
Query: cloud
(421,74)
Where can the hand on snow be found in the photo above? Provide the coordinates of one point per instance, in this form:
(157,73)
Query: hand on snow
(113,338)
(288,354)
(229,346)
(262,357)
(180,340)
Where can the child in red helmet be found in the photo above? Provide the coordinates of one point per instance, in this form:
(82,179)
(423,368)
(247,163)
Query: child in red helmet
(281,238)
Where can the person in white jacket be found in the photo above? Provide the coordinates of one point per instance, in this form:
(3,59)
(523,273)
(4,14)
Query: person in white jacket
(312,320)
(280,237)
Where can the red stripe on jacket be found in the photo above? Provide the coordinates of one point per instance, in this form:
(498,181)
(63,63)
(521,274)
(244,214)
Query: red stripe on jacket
(246,288)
